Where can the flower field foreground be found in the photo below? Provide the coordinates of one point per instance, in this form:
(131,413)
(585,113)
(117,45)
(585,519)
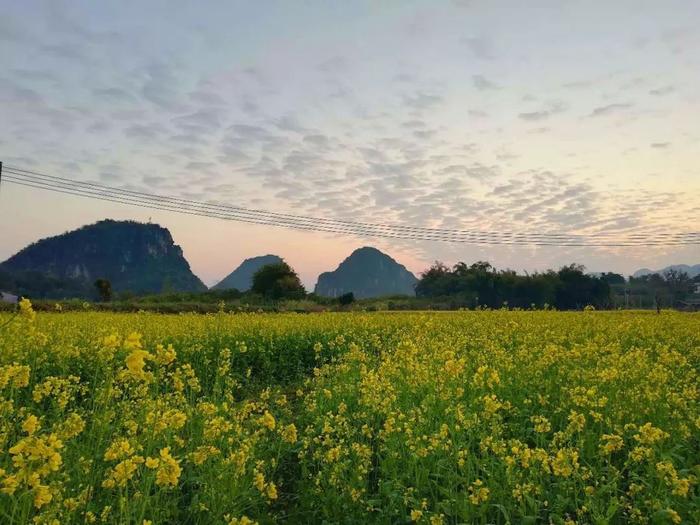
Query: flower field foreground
(463,417)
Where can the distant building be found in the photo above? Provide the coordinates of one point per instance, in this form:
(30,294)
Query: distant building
(692,305)
(8,298)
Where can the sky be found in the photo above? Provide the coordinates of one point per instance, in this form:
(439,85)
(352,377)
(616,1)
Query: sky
(559,116)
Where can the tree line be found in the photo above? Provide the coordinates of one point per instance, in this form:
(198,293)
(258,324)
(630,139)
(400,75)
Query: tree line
(461,286)
(482,285)
(569,288)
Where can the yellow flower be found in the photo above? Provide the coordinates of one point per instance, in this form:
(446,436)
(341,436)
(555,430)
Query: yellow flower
(271,491)
(169,470)
(289,434)
(416,515)
(136,361)
(259,481)
(165,356)
(9,484)
(15,375)
(639,454)
(174,419)
(675,517)
(679,486)
(26,310)
(576,422)
(108,483)
(610,443)
(333,454)
(133,341)
(542,424)
(454,367)
(478,493)
(40,451)
(485,376)
(31,424)
(119,449)
(203,453)
(243,520)
(437,520)
(72,426)
(125,470)
(565,462)
(491,405)
(267,420)
(42,495)
(648,434)
(111,341)
(215,427)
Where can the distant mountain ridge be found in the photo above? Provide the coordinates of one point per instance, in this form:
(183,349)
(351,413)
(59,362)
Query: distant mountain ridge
(692,271)
(367,272)
(133,256)
(242,277)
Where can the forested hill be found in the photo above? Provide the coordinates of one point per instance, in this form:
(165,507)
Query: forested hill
(367,272)
(242,277)
(692,271)
(135,257)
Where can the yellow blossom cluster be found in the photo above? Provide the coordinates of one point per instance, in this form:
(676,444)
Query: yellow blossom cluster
(239,418)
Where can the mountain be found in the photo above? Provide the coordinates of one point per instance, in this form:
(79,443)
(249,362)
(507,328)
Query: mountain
(692,271)
(242,277)
(39,285)
(135,257)
(367,273)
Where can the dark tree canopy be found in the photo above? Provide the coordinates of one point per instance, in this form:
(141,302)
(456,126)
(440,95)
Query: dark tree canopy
(666,289)
(612,278)
(278,281)
(346,299)
(480,284)
(104,289)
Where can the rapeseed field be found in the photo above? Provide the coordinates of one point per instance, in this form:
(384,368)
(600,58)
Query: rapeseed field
(462,417)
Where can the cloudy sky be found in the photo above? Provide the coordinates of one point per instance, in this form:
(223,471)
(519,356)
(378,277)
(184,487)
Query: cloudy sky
(563,116)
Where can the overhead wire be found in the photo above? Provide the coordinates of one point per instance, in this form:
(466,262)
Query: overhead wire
(102,192)
(256,212)
(357,228)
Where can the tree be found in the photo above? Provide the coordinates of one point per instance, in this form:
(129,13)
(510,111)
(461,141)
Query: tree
(346,299)
(480,284)
(278,281)
(104,289)
(577,290)
(436,281)
(612,278)
(678,283)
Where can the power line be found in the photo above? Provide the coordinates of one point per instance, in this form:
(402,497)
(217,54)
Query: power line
(325,229)
(358,228)
(144,200)
(275,215)
(316,220)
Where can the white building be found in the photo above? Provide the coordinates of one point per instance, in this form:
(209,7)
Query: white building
(8,298)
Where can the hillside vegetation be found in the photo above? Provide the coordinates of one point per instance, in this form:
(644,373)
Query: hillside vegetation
(134,257)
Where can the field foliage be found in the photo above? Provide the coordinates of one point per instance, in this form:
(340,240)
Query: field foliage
(461,417)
